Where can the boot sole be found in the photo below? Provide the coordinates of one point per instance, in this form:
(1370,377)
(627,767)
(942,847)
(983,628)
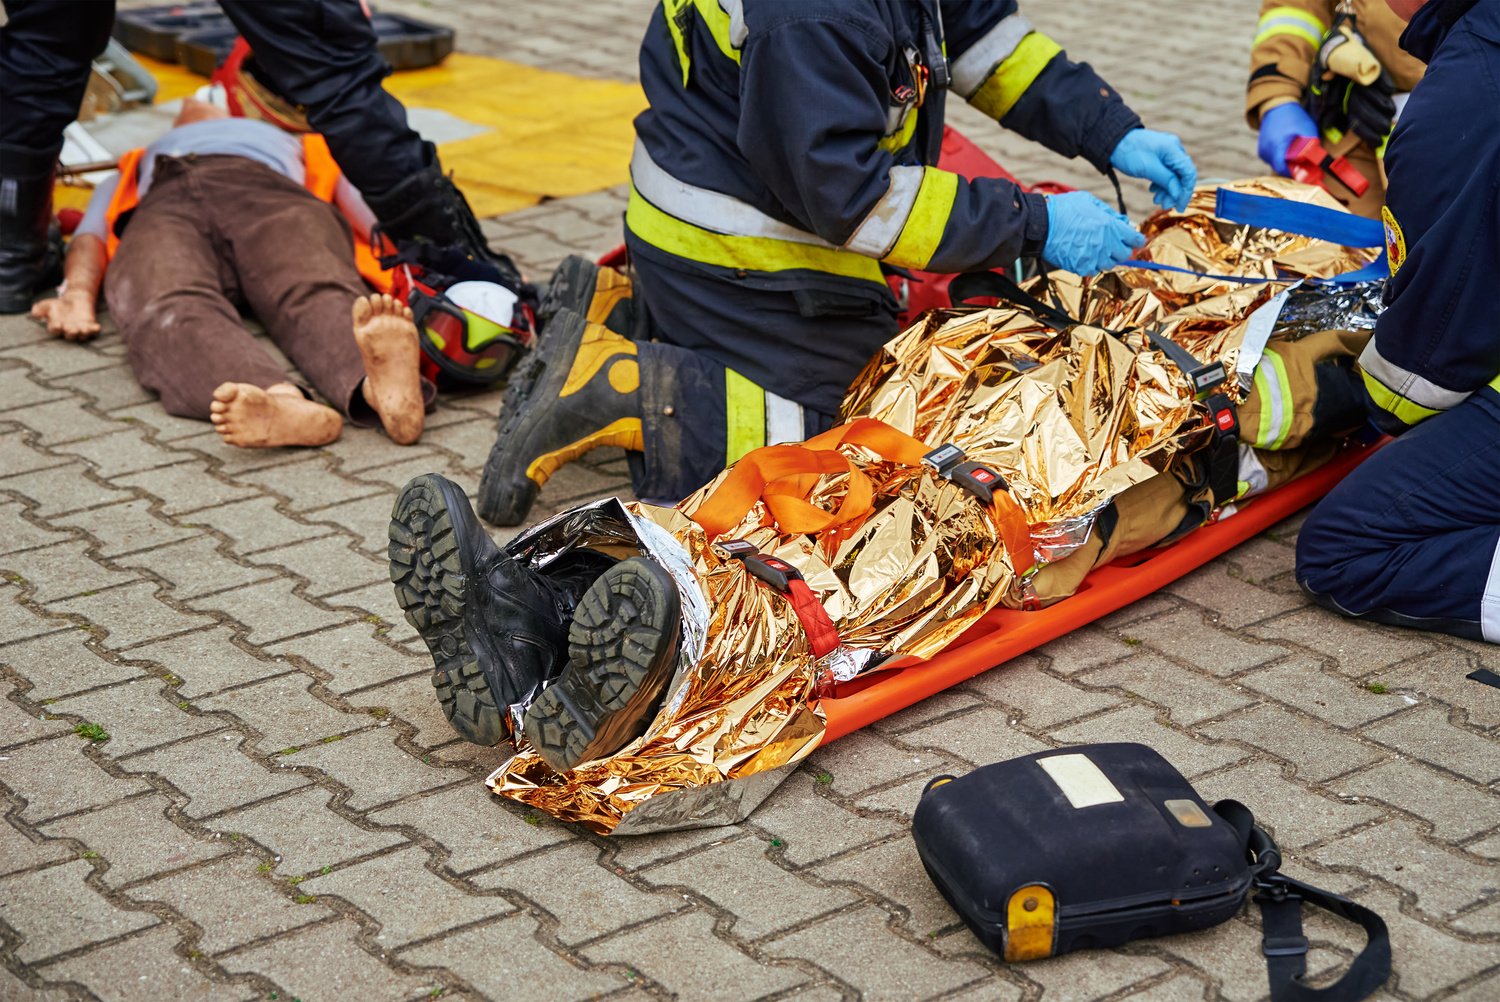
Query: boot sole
(572,288)
(431,572)
(506,493)
(622,649)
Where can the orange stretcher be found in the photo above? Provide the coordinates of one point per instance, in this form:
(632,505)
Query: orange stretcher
(1009,633)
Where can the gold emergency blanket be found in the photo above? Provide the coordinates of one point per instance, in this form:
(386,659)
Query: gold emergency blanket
(1069,419)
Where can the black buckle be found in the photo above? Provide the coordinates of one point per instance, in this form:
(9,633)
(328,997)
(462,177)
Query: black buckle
(1284,946)
(1222,413)
(979,480)
(1206,377)
(772,570)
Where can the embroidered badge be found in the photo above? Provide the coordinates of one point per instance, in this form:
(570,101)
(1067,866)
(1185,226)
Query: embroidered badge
(1395,240)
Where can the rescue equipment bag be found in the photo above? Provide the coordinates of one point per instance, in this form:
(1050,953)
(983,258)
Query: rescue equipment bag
(1096,845)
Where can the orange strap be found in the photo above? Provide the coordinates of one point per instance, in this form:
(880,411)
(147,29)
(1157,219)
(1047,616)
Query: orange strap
(126,197)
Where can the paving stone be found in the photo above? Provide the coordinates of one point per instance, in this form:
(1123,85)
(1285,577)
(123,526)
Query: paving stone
(892,871)
(695,951)
(208,661)
(12,987)
(638,852)
(213,774)
(18,390)
(776,900)
(254,524)
(1482,921)
(1231,601)
(166,428)
(54,357)
(476,827)
(194,568)
(230,903)
(901,798)
(373,768)
(368,518)
(20,622)
(1182,988)
(409,901)
(863,760)
(121,453)
(143,968)
(271,610)
(64,569)
(1318,751)
(106,390)
(859,948)
(61,489)
(1188,697)
(55,911)
(136,838)
(410,701)
(18,852)
(129,615)
(355,658)
(1091,974)
(1082,649)
(587,899)
(1425,733)
(1337,700)
(62,421)
(982,736)
(1358,647)
(59,663)
(185,488)
(326,962)
(498,957)
(18,726)
(328,565)
(1429,958)
(55,777)
(1039,699)
(940,704)
(1295,816)
(1442,882)
(304,835)
(1183,635)
(811,827)
(16,456)
(284,712)
(1440,676)
(1135,723)
(17,534)
(137,716)
(1454,808)
(309,484)
(1229,954)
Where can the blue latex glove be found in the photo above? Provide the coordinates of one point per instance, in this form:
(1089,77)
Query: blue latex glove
(1278,127)
(1158,157)
(1085,236)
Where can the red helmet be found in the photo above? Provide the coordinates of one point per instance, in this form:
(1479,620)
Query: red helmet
(471,333)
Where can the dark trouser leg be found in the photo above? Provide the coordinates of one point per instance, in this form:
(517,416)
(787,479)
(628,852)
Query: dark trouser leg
(1412,537)
(321,54)
(294,259)
(167,289)
(45,53)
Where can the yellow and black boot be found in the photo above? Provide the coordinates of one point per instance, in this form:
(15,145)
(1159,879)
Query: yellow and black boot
(578,390)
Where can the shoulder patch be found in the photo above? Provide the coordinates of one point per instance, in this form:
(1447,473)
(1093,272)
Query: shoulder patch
(1395,240)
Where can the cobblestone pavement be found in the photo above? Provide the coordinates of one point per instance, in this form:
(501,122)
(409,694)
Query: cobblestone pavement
(280,810)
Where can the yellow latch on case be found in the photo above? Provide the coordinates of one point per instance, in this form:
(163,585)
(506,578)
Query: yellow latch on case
(1030,923)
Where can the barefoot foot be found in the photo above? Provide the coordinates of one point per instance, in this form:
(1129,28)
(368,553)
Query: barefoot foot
(253,418)
(393,386)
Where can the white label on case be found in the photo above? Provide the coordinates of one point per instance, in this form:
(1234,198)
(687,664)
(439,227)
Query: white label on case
(1080,780)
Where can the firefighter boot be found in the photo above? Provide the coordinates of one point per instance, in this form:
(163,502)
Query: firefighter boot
(497,630)
(622,651)
(427,213)
(575,391)
(29,259)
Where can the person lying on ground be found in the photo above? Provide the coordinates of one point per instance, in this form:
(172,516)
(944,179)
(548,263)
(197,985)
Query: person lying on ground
(223,211)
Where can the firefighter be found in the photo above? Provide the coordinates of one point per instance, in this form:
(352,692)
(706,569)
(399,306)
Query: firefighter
(1296,89)
(784,165)
(319,54)
(1412,537)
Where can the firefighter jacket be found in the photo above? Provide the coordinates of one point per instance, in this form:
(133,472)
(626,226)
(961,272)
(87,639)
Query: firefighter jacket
(1438,340)
(790,147)
(1286,46)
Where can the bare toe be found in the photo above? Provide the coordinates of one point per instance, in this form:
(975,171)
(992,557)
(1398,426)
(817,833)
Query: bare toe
(362,310)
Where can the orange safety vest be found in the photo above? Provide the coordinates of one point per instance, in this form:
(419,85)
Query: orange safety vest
(321,180)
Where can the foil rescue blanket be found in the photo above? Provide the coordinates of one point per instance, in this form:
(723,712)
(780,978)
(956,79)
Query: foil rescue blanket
(904,561)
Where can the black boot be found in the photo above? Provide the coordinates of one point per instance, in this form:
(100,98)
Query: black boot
(622,651)
(429,220)
(29,253)
(497,630)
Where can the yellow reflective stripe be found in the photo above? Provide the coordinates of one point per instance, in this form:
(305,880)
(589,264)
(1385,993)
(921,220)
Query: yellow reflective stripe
(1264,393)
(997,95)
(1291,21)
(1407,411)
(717,21)
(928,220)
(745,406)
(1287,414)
(1495,384)
(672,11)
(896,141)
(674,236)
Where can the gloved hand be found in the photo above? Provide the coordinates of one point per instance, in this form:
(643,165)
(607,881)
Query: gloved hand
(1158,157)
(1372,108)
(1085,236)
(1278,127)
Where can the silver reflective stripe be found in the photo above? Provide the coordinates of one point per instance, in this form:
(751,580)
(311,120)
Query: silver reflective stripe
(1252,473)
(783,420)
(737,30)
(1407,384)
(1489,605)
(974,67)
(711,210)
(1273,402)
(881,226)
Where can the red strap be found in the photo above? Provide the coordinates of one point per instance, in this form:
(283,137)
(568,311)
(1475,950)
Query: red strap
(822,635)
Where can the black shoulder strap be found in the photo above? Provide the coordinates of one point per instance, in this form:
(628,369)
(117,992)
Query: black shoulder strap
(1285,947)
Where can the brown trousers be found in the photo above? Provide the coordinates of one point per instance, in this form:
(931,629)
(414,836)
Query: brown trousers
(217,231)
